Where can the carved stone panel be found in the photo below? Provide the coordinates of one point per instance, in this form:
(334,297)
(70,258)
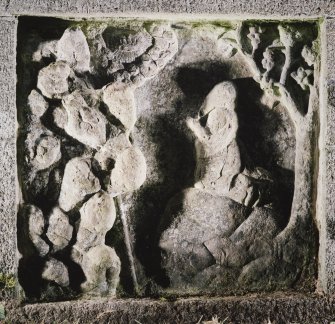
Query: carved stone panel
(166,157)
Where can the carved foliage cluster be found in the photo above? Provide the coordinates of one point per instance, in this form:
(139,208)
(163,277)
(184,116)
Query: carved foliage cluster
(78,154)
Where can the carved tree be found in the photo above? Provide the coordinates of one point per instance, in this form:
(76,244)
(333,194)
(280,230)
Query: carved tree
(285,63)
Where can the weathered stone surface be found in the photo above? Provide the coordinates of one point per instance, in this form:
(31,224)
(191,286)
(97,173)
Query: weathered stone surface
(245,258)
(56,271)
(253,188)
(218,154)
(129,172)
(326,203)
(201,218)
(45,50)
(102,268)
(8,169)
(32,227)
(47,152)
(259,7)
(84,121)
(121,104)
(59,230)
(99,262)
(253,235)
(111,150)
(53,80)
(42,146)
(277,308)
(78,182)
(97,216)
(37,103)
(73,49)
(121,122)
(126,48)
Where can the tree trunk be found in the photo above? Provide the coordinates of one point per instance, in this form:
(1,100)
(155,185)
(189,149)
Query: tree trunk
(296,244)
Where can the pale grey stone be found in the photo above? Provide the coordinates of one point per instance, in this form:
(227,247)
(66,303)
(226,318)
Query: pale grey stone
(42,147)
(47,152)
(218,156)
(113,148)
(45,49)
(83,120)
(73,49)
(200,218)
(60,118)
(99,262)
(37,103)
(8,169)
(253,188)
(126,48)
(97,217)
(279,308)
(129,172)
(121,104)
(53,80)
(55,271)
(78,182)
(59,229)
(260,7)
(326,203)
(235,196)
(131,57)
(84,8)
(102,268)
(36,225)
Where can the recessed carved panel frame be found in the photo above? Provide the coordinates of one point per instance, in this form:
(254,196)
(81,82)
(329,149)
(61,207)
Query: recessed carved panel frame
(167,157)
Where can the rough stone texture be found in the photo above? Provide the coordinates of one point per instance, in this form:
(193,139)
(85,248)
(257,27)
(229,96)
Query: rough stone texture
(99,262)
(8,249)
(73,49)
(90,138)
(56,271)
(129,172)
(117,7)
(326,202)
(263,309)
(59,229)
(53,80)
(277,256)
(31,227)
(84,123)
(79,182)
(121,104)
(281,309)
(76,151)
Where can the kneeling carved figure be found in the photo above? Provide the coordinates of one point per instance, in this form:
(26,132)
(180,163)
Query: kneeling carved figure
(214,231)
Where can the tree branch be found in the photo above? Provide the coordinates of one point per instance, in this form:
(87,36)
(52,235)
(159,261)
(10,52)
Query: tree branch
(289,103)
(287,64)
(248,56)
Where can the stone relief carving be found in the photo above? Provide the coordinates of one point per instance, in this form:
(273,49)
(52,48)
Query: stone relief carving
(227,230)
(78,154)
(98,155)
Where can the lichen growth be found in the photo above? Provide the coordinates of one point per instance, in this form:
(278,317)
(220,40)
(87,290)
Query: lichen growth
(7,281)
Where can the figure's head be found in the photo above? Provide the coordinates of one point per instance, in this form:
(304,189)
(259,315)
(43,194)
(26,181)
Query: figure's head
(222,96)
(218,109)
